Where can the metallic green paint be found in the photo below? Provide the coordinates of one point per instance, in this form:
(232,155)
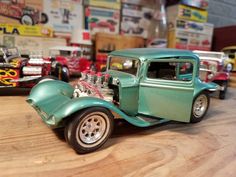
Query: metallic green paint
(144,53)
(201,86)
(128,91)
(138,95)
(66,107)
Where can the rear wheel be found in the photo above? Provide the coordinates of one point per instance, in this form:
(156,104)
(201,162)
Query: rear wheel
(89,130)
(200,107)
(223,85)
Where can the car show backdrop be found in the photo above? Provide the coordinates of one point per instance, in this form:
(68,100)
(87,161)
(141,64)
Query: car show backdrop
(64,15)
(58,18)
(14,11)
(61,15)
(27,45)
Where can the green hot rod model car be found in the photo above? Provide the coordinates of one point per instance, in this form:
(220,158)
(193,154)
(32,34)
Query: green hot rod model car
(143,86)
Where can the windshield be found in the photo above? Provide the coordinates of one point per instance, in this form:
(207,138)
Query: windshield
(211,65)
(60,52)
(230,53)
(65,53)
(123,64)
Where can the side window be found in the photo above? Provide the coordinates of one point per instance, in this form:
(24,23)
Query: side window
(180,71)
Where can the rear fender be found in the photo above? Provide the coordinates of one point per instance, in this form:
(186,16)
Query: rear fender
(209,87)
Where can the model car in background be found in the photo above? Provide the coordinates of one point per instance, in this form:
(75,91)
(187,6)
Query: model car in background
(109,24)
(149,87)
(230,62)
(71,58)
(130,26)
(16,71)
(212,70)
(18,10)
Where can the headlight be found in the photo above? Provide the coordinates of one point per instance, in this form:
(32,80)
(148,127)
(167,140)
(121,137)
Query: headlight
(210,76)
(115,81)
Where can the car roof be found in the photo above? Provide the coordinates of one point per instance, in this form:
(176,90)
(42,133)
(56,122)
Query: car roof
(208,52)
(210,55)
(153,53)
(66,48)
(229,48)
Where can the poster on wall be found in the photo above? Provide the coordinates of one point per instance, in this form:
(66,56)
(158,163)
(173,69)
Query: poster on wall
(64,15)
(25,30)
(26,12)
(28,45)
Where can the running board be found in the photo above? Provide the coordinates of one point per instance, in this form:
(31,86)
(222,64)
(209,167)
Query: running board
(141,121)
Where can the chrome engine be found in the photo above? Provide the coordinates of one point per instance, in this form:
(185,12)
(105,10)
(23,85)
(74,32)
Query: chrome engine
(37,59)
(34,66)
(32,70)
(95,85)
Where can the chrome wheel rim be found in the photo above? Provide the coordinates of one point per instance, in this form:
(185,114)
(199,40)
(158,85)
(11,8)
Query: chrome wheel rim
(200,106)
(26,20)
(93,129)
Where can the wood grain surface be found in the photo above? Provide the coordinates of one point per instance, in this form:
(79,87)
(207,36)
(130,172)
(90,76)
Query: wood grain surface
(29,148)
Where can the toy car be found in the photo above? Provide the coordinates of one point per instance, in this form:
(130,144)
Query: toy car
(149,87)
(71,58)
(130,26)
(18,10)
(16,71)
(103,24)
(212,69)
(230,62)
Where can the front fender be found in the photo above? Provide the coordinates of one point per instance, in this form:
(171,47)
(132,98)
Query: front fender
(222,76)
(78,104)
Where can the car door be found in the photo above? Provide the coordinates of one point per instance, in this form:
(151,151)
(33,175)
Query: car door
(165,92)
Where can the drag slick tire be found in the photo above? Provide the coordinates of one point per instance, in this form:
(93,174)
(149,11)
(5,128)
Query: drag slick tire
(89,130)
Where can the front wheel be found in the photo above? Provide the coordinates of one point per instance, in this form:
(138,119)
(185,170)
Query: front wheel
(224,86)
(27,20)
(200,107)
(65,74)
(89,130)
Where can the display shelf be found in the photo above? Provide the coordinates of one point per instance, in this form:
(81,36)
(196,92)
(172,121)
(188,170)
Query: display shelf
(30,148)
